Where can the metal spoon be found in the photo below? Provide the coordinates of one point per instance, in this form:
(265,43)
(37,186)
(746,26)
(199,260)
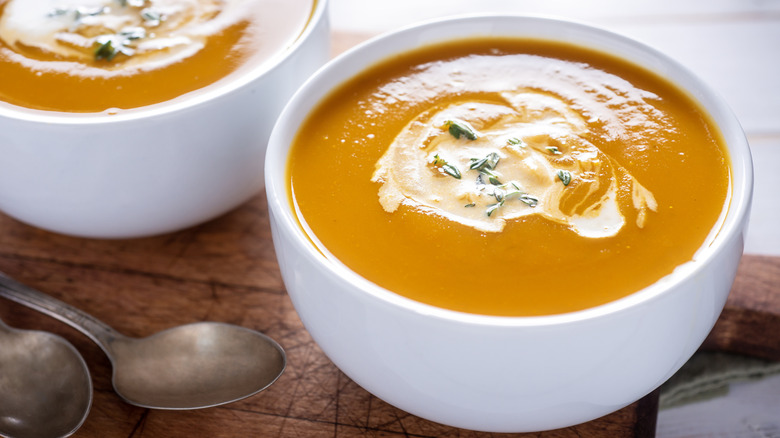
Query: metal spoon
(187,367)
(45,388)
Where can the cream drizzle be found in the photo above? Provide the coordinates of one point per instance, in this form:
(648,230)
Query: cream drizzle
(552,138)
(69,31)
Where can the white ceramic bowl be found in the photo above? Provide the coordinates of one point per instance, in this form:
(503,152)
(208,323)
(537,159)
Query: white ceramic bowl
(152,170)
(505,374)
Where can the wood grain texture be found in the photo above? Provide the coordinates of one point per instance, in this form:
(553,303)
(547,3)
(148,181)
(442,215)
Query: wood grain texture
(750,322)
(224,270)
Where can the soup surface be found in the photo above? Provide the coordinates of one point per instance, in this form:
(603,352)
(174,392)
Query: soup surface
(112,55)
(509,177)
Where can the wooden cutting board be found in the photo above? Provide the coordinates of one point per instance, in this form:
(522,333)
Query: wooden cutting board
(226,270)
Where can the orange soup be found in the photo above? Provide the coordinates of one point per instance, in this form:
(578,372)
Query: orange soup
(111,55)
(509,177)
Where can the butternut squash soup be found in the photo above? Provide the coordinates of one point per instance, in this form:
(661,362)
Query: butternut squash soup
(509,177)
(112,55)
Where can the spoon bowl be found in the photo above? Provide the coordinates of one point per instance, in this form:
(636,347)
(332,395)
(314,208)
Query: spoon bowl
(45,387)
(193,366)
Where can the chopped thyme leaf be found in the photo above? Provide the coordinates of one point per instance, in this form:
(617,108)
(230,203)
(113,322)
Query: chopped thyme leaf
(513,190)
(554,150)
(56,12)
(516,141)
(133,33)
(493,160)
(476,163)
(459,127)
(108,46)
(492,176)
(499,194)
(451,170)
(446,167)
(471,204)
(485,166)
(564,176)
(151,17)
(489,162)
(105,49)
(531,201)
(493,207)
(88,12)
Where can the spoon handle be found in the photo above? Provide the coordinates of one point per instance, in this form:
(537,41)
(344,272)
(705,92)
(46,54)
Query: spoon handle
(96,330)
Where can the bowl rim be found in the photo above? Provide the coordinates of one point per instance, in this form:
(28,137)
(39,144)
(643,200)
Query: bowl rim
(729,226)
(184,102)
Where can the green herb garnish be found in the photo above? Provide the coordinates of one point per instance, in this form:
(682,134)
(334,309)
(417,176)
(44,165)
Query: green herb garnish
(485,166)
(564,176)
(459,127)
(512,189)
(492,177)
(470,204)
(108,46)
(489,162)
(151,17)
(105,49)
(493,207)
(133,33)
(517,142)
(88,12)
(554,150)
(531,201)
(451,170)
(499,194)
(446,167)
(57,12)
(505,192)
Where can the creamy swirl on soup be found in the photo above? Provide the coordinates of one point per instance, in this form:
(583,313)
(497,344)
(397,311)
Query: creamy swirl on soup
(149,33)
(482,164)
(96,55)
